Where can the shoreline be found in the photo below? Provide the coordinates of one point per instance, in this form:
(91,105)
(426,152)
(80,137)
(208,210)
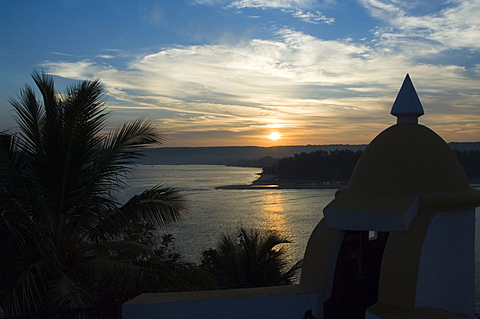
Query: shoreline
(271,181)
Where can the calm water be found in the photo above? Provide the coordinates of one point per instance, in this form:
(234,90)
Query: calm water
(213,212)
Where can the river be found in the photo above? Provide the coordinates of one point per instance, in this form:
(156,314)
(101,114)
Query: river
(211,212)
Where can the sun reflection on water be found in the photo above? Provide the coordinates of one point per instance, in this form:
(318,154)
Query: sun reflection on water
(275,218)
(274,213)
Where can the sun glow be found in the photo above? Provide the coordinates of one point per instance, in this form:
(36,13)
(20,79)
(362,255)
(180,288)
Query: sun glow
(274,136)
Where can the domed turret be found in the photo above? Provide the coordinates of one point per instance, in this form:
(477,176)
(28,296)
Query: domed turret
(399,240)
(407,158)
(404,167)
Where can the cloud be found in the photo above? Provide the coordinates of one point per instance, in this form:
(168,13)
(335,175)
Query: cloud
(312,17)
(442,27)
(384,10)
(297,8)
(105,56)
(152,13)
(273,4)
(210,2)
(84,69)
(336,90)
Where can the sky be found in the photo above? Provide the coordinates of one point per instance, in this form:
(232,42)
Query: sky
(253,72)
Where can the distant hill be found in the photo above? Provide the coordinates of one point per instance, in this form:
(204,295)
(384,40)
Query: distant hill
(247,155)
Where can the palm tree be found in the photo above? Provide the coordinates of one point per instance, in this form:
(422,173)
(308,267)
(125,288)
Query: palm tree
(65,241)
(249,258)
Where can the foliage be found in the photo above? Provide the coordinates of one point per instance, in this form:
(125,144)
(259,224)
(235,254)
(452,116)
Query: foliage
(470,162)
(250,258)
(338,165)
(334,165)
(65,240)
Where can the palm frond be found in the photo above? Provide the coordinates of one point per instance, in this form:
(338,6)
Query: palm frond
(251,258)
(29,117)
(65,292)
(136,268)
(12,180)
(117,265)
(156,206)
(122,143)
(26,295)
(116,155)
(46,86)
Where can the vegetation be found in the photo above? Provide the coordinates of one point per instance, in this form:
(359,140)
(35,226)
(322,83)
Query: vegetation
(470,161)
(338,165)
(322,165)
(250,258)
(65,240)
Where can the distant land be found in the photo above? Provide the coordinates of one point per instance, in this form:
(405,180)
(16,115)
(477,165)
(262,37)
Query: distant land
(254,156)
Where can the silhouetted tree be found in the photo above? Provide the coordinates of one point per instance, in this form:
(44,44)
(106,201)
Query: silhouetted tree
(470,162)
(65,241)
(249,258)
(334,165)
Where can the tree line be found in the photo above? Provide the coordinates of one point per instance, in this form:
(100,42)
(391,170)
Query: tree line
(470,162)
(338,165)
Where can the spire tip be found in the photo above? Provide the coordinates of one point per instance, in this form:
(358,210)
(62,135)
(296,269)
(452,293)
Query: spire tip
(407,106)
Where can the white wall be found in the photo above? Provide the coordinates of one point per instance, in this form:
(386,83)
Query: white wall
(254,303)
(446,277)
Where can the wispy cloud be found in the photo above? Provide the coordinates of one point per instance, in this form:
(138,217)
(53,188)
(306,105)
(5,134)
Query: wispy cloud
(276,4)
(301,82)
(315,17)
(453,27)
(152,13)
(105,56)
(300,9)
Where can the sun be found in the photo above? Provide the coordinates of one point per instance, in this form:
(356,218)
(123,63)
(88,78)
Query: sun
(274,136)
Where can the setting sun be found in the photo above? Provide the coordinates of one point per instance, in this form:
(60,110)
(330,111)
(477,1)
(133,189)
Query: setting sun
(274,136)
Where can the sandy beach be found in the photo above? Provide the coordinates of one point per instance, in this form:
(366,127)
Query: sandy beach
(271,181)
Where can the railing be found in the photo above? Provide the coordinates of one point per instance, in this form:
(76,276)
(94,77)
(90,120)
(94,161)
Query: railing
(107,311)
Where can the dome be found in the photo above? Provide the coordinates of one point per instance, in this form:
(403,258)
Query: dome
(405,170)
(408,158)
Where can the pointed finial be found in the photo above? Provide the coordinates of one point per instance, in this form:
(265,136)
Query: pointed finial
(407,106)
